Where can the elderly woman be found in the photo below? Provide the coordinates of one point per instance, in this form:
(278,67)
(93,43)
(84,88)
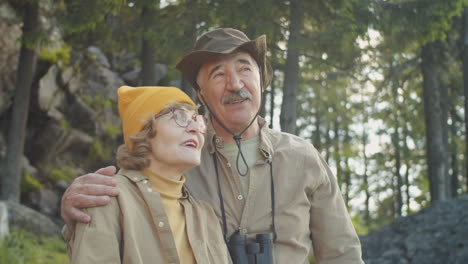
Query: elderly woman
(153,219)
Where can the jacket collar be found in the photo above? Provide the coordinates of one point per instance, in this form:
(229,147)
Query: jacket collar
(133,175)
(136,177)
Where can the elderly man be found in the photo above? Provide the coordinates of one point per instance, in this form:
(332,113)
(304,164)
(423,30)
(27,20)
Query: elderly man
(258,180)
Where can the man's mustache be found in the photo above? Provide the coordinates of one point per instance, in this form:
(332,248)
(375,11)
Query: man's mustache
(242,94)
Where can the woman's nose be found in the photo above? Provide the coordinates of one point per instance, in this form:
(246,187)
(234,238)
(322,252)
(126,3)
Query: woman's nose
(197,124)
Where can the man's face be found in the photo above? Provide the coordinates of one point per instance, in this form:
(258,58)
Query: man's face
(231,88)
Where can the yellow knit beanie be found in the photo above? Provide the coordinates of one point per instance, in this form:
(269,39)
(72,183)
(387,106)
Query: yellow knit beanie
(138,104)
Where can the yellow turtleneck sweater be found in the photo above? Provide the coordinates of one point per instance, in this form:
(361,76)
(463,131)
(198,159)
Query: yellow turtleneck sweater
(170,191)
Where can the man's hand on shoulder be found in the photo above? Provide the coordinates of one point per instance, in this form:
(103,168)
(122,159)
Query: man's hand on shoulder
(89,190)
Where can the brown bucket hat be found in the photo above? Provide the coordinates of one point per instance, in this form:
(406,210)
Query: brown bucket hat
(224,41)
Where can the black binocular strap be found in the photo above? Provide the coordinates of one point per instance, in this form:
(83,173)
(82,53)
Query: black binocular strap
(221,200)
(272,201)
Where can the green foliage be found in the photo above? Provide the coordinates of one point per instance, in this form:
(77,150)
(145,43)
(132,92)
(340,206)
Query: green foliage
(312,260)
(85,15)
(333,29)
(111,131)
(21,247)
(29,184)
(65,124)
(35,39)
(60,55)
(98,102)
(360,225)
(98,152)
(423,184)
(409,24)
(385,213)
(62,174)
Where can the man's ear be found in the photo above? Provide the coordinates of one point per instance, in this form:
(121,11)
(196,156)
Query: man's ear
(200,97)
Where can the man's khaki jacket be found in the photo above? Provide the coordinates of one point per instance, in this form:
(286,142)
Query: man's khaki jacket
(310,211)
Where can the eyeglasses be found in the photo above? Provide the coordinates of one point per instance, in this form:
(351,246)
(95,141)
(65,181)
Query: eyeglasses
(182,118)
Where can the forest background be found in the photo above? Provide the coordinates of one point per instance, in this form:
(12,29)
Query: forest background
(379,87)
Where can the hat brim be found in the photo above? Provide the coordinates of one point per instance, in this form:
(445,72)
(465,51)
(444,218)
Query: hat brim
(190,65)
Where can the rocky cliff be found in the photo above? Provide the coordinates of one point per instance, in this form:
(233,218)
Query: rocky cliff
(435,235)
(73,124)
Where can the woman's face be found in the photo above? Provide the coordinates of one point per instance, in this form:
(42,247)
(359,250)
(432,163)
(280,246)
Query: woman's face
(179,139)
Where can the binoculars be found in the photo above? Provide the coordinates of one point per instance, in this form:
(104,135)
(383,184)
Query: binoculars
(243,252)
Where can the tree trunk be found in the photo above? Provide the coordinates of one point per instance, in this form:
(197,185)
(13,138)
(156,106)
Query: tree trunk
(10,181)
(347,182)
(454,155)
(399,179)
(191,34)
(408,164)
(148,49)
(347,171)
(262,111)
(436,126)
(396,146)
(291,74)
(465,86)
(365,177)
(445,135)
(337,151)
(273,83)
(367,218)
(188,89)
(272,102)
(327,142)
(317,137)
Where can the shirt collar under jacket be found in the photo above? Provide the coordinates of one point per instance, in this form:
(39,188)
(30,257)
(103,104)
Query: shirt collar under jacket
(138,178)
(265,145)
